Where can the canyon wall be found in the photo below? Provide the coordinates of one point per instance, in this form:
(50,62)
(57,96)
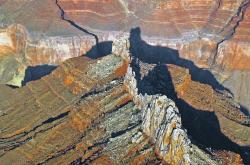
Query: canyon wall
(214,34)
(92,115)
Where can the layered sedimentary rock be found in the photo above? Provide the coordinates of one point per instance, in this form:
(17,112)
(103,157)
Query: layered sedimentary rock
(204,97)
(211,116)
(82,101)
(89,111)
(213,107)
(164,127)
(84,114)
(194,27)
(213,34)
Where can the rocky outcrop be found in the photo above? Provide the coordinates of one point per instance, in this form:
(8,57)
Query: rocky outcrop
(90,112)
(162,123)
(204,97)
(83,111)
(160,119)
(99,111)
(215,108)
(213,34)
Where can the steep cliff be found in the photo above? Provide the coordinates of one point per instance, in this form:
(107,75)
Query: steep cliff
(115,104)
(212,33)
(89,111)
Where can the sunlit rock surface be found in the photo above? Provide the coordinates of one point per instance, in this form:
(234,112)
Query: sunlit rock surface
(212,34)
(90,112)
(217,109)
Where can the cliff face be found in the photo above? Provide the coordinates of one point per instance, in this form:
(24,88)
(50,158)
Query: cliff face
(213,34)
(86,113)
(195,28)
(217,109)
(206,32)
(114,105)
(90,111)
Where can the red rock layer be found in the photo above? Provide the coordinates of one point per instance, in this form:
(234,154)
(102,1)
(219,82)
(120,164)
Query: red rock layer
(204,98)
(83,113)
(69,115)
(195,27)
(234,53)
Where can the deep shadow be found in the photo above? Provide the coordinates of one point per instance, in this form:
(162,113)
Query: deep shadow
(103,49)
(161,55)
(12,86)
(33,73)
(74,24)
(244,110)
(202,126)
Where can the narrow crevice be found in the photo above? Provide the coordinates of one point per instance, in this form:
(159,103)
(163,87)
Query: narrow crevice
(121,132)
(58,154)
(104,142)
(75,24)
(91,157)
(77,162)
(100,143)
(117,108)
(103,89)
(14,143)
(50,120)
(240,17)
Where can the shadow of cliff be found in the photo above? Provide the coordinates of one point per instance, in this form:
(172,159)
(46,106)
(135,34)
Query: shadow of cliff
(245,110)
(33,73)
(202,126)
(75,24)
(100,50)
(163,55)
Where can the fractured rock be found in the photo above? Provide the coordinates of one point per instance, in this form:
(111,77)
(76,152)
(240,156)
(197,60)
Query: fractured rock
(84,112)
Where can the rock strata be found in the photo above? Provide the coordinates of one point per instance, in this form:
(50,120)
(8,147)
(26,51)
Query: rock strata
(160,117)
(214,34)
(90,112)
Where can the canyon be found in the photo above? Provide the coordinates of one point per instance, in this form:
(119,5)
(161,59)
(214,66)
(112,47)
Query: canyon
(124,81)
(212,34)
(90,112)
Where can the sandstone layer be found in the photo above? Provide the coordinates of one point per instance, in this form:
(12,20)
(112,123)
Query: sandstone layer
(213,34)
(211,117)
(117,109)
(90,112)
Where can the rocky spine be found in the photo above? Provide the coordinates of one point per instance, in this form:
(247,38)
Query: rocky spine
(161,120)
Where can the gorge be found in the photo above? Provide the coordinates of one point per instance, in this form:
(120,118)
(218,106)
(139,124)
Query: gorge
(124,81)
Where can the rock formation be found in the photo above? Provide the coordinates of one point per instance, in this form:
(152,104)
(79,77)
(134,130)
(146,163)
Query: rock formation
(174,87)
(89,111)
(206,113)
(213,34)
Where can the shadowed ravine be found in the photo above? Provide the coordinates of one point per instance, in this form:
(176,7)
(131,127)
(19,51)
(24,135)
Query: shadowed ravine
(203,127)
(240,17)
(124,82)
(33,73)
(75,24)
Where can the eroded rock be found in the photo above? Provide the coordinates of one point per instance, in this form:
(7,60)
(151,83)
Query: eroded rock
(212,34)
(84,112)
